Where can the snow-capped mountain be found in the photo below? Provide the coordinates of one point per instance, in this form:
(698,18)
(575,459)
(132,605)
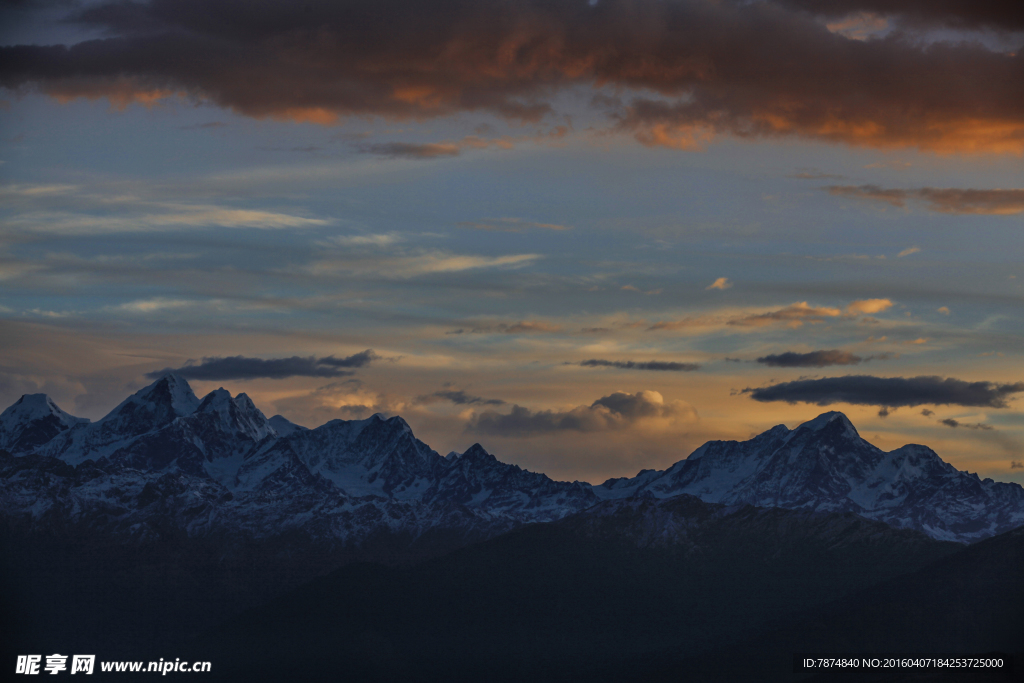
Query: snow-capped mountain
(825,465)
(145,412)
(164,458)
(32,421)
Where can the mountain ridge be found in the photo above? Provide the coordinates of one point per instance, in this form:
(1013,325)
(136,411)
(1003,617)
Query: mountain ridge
(218,463)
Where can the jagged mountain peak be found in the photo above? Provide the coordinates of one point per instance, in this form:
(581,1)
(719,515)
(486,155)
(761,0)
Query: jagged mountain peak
(168,397)
(825,465)
(477,452)
(395,422)
(33,420)
(244,401)
(238,414)
(833,421)
(822,465)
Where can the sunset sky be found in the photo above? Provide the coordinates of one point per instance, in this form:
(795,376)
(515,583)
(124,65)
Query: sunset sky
(590,235)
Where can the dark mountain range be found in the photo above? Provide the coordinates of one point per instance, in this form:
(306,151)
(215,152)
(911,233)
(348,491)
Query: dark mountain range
(606,594)
(165,459)
(825,465)
(971,601)
(135,534)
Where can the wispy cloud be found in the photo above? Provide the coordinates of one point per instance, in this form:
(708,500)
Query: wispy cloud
(859,26)
(815,175)
(365,240)
(868,306)
(951,200)
(71,210)
(816,359)
(459,397)
(409,150)
(154,305)
(793,315)
(210,125)
(520,327)
(511,225)
(417,264)
(955,424)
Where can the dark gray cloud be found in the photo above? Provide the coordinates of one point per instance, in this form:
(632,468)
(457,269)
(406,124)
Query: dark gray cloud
(950,422)
(889,392)
(521,327)
(750,69)
(241,367)
(947,200)
(668,366)
(616,411)
(813,359)
(459,397)
(816,359)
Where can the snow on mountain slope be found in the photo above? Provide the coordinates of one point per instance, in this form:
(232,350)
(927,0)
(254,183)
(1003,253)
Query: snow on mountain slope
(284,426)
(33,420)
(146,411)
(165,457)
(825,465)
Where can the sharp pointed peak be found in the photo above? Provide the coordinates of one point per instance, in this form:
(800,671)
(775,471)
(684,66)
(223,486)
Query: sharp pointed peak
(169,389)
(477,451)
(826,419)
(393,422)
(171,379)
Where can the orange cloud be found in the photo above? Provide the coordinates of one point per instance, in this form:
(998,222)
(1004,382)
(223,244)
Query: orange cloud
(720,283)
(694,69)
(793,315)
(868,306)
